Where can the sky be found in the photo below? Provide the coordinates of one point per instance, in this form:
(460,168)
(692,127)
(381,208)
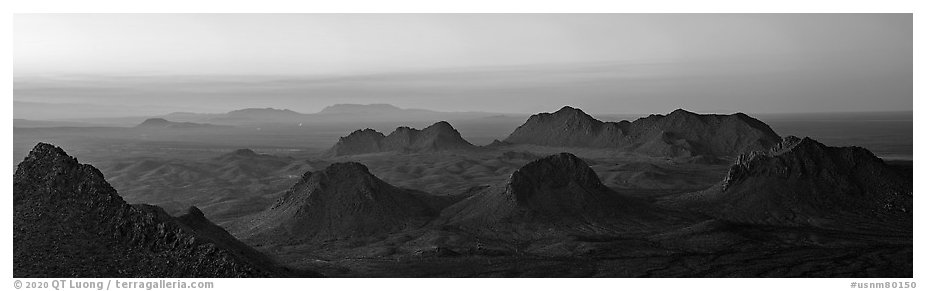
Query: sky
(607,63)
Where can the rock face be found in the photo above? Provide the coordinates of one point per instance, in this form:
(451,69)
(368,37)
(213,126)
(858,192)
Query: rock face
(678,134)
(803,182)
(558,189)
(69,222)
(440,136)
(342,201)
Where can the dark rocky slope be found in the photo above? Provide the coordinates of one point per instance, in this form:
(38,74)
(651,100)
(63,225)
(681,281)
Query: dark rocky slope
(678,134)
(440,136)
(342,201)
(69,222)
(557,190)
(803,182)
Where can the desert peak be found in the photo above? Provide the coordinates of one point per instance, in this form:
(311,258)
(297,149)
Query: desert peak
(45,150)
(365,131)
(347,168)
(194,211)
(441,125)
(555,171)
(244,152)
(680,111)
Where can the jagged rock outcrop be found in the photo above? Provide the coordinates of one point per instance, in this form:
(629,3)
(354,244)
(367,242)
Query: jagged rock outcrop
(678,134)
(440,136)
(803,182)
(560,189)
(69,222)
(342,201)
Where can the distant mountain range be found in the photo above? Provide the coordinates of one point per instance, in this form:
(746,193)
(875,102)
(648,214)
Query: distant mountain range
(678,134)
(161,123)
(440,136)
(339,113)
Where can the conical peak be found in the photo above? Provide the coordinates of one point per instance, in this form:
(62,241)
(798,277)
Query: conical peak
(569,109)
(347,169)
(441,125)
(194,211)
(681,112)
(571,112)
(49,152)
(244,152)
(554,171)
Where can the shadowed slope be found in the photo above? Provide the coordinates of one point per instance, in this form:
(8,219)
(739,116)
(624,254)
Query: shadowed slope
(342,201)
(557,190)
(803,182)
(69,222)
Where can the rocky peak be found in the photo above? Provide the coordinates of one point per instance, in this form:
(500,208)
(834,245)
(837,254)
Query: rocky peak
(681,112)
(342,200)
(574,116)
(365,132)
(441,126)
(800,156)
(245,153)
(346,171)
(49,171)
(47,153)
(437,137)
(64,210)
(194,211)
(554,171)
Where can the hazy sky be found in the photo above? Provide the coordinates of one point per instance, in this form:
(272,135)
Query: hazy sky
(490,62)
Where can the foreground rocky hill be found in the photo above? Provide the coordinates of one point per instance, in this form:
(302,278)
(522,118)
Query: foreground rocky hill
(69,222)
(803,182)
(678,134)
(559,189)
(342,201)
(440,136)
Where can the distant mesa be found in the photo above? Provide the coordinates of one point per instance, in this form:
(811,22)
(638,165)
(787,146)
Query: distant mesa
(559,189)
(440,136)
(803,182)
(257,113)
(69,222)
(360,109)
(678,134)
(161,123)
(342,201)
